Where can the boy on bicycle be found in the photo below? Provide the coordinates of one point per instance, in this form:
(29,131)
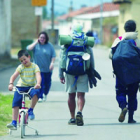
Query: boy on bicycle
(29,77)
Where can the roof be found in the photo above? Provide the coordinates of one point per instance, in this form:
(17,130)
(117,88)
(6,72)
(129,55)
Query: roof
(75,13)
(89,10)
(106,7)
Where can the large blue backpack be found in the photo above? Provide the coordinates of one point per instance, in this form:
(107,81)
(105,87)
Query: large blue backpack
(71,60)
(126,62)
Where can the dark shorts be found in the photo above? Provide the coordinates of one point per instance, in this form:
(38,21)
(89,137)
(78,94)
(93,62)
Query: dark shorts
(17,100)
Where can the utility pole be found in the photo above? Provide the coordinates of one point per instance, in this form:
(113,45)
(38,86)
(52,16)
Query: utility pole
(38,12)
(52,14)
(101,21)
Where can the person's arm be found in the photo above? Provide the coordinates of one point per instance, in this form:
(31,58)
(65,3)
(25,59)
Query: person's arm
(12,79)
(38,79)
(116,41)
(52,63)
(61,72)
(61,76)
(31,46)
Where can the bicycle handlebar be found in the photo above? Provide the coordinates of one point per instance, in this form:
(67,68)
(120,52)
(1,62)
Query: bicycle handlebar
(21,92)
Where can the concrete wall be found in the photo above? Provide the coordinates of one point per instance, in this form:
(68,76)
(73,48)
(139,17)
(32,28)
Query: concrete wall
(5,28)
(129,11)
(24,21)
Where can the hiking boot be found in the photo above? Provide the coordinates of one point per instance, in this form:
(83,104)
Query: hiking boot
(79,119)
(31,115)
(12,126)
(72,121)
(122,115)
(132,121)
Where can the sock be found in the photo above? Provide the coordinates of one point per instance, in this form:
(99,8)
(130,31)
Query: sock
(30,109)
(14,122)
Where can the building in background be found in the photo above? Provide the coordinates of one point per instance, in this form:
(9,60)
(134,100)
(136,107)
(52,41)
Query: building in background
(18,22)
(129,9)
(24,21)
(90,17)
(5,28)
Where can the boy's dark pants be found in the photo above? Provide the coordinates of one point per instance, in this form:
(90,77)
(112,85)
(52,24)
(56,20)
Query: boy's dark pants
(131,92)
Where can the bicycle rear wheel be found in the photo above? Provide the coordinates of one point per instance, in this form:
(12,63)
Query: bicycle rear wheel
(22,124)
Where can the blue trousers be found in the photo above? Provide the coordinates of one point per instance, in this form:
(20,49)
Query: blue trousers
(123,92)
(45,83)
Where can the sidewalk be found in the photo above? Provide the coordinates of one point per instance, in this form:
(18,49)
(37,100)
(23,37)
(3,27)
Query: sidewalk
(8,63)
(100,113)
(100,118)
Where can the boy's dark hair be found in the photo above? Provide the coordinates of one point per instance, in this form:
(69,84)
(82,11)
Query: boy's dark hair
(22,52)
(46,35)
(130,26)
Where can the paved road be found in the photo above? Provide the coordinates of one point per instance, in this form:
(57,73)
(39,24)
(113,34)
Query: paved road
(100,113)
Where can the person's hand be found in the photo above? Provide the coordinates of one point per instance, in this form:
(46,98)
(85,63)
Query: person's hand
(51,66)
(62,80)
(10,87)
(37,40)
(37,86)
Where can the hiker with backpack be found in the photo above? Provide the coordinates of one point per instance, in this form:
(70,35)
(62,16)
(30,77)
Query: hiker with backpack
(77,61)
(125,55)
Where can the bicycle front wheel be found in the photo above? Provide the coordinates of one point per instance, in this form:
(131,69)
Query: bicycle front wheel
(22,124)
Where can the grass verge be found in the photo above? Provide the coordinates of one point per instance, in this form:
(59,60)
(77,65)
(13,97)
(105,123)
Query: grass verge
(5,112)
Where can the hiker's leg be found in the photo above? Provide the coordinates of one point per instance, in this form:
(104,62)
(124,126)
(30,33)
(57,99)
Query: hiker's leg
(72,104)
(132,100)
(80,100)
(121,94)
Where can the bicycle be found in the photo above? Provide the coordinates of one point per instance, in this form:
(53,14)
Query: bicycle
(23,113)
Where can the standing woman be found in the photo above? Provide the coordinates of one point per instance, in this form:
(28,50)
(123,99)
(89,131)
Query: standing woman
(44,56)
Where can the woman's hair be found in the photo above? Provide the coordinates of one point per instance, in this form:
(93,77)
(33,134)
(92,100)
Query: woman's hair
(22,52)
(46,36)
(130,26)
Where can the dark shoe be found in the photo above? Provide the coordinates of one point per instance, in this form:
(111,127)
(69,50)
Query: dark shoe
(72,121)
(79,119)
(122,115)
(132,121)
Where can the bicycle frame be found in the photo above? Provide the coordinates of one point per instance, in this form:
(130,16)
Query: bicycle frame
(23,113)
(23,109)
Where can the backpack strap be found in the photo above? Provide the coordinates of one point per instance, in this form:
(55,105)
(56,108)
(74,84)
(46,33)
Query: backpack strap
(76,78)
(69,46)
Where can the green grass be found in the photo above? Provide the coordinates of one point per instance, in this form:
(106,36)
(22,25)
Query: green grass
(5,112)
